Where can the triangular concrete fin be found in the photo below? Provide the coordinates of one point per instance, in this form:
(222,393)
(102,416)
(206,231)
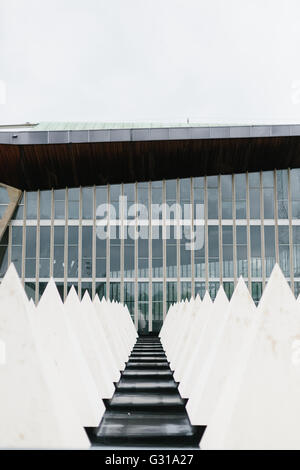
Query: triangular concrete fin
(62,345)
(34,413)
(240,315)
(206,299)
(258,405)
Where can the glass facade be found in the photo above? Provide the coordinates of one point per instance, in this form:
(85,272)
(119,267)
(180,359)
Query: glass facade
(151,244)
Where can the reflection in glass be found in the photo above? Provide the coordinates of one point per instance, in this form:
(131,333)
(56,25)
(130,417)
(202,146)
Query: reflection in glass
(87,243)
(157,253)
(59,241)
(157,199)
(226,188)
(45,204)
(269,248)
(254,195)
(100,257)
(200,289)
(115,192)
(212,197)
(87,203)
(3,253)
(255,245)
(186,290)
(157,306)
(129,297)
(284,249)
(240,195)
(31,205)
(185,252)
(295,193)
(59,203)
(73,203)
(213,288)
(16,248)
(101,289)
(171,258)
(256,288)
(228,288)
(4,198)
(296,250)
(114,291)
(30,261)
(185,198)
(115,245)
(268,191)
(143,257)
(282,194)
(45,251)
(198,189)
(241,251)
(199,251)
(227,238)
(72,251)
(213,251)
(143,305)
(171,294)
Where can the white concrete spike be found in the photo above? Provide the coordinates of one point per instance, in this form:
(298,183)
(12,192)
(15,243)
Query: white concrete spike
(171,346)
(227,346)
(191,312)
(81,328)
(259,407)
(171,332)
(81,319)
(110,331)
(197,325)
(216,319)
(109,369)
(60,342)
(35,413)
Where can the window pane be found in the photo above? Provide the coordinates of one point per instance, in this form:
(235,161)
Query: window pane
(269,249)
(226,187)
(31,205)
(45,204)
(213,251)
(87,203)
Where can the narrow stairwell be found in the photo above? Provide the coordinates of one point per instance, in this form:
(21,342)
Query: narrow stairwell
(146,409)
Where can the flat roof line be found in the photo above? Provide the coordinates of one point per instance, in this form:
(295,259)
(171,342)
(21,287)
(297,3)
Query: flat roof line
(133,134)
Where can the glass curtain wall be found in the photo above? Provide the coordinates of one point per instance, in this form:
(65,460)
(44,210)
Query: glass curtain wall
(158,242)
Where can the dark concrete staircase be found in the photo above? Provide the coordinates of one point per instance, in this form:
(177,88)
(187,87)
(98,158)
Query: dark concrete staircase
(146,409)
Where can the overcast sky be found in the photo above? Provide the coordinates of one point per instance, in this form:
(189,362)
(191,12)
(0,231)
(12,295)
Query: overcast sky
(214,61)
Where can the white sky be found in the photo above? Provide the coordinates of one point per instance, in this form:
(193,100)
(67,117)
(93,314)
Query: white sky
(214,61)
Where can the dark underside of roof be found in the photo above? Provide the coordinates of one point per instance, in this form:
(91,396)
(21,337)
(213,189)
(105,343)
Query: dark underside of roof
(34,167)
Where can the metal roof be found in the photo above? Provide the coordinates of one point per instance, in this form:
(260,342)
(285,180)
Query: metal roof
(56,133)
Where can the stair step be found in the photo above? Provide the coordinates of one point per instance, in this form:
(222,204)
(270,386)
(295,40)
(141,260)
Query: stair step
(147,359)
(141,373)
(146,401)
(146,428)
(146,384)
(149,365)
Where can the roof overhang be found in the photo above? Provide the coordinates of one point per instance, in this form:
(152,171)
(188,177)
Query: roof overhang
(45,159)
